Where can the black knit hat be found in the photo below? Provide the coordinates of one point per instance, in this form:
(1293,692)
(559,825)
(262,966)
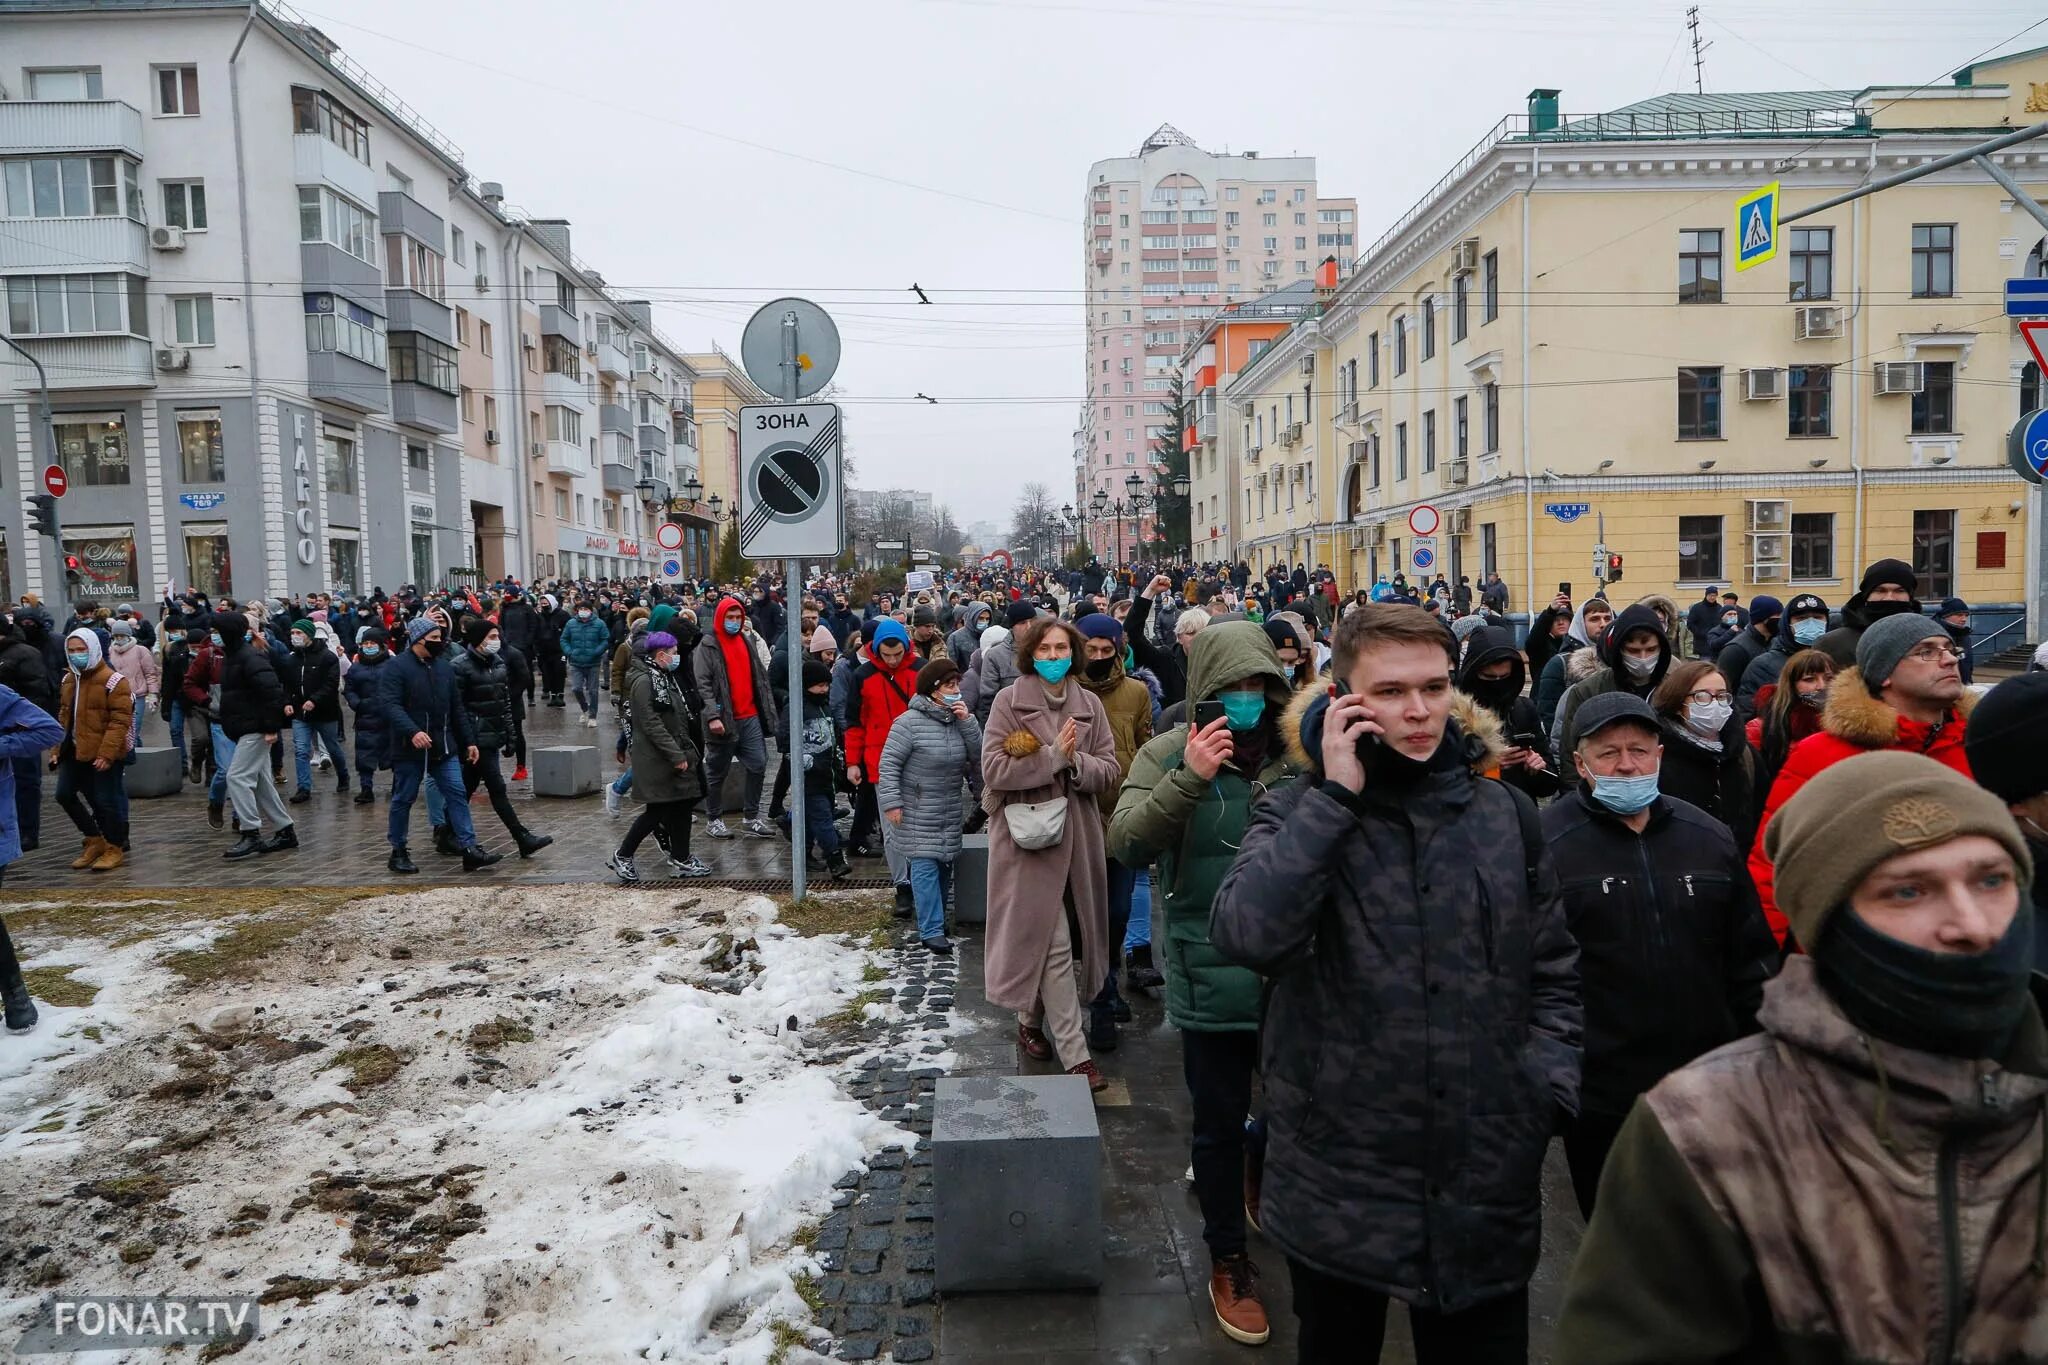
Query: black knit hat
(1896,572)
(816,674)
(2007,739)
(475,628)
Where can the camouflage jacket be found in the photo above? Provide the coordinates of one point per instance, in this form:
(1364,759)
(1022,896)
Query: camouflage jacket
(1814,1195)
(1423,1034)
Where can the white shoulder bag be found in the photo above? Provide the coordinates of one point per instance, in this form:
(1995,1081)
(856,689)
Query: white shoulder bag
(1037,824)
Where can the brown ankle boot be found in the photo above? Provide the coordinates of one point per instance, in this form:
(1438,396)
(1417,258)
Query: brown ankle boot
(94,848)
(111,858)
(1234,1293)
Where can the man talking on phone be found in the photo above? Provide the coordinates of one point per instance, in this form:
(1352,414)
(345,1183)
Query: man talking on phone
(1422,1039)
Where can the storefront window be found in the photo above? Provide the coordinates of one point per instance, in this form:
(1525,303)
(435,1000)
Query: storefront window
(338,460)
(344,566)
(104,557)
(423,560)
(207,567)
(93,447)
(200,458)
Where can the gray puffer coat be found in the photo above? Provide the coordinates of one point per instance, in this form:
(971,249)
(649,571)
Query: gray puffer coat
(925,763)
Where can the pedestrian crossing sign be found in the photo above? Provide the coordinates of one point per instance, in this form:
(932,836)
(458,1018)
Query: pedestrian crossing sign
(1756,227)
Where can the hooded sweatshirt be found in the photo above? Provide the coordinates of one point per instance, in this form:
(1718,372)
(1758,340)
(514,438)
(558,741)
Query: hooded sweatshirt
(739,658)
(1612,676)
(1503,697)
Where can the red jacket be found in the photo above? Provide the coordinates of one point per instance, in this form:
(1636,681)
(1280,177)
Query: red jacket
(879,696)
(1854,722)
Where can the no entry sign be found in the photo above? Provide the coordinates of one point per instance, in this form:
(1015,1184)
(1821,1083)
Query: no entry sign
(54,481)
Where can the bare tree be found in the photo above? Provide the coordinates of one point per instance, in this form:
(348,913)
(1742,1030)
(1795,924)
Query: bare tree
(1029,522)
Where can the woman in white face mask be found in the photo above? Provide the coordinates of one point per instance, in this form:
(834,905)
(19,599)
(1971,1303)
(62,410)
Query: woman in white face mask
(1707,761)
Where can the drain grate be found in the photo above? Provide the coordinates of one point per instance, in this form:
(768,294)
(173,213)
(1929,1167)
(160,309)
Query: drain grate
(766,886)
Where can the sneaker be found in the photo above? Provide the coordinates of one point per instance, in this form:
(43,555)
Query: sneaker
(1234,1294)
(1140,972)
(717,830)
(1096,1083)
(612,801)
(690,867)
(301,797)
(216,815)
(1036,1045)
(623,868)
(836,864)
(519,774)
(759,828)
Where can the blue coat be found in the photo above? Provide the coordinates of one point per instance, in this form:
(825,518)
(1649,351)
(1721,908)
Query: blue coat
(25,731)
(585,643)
(421,696)
(364,687)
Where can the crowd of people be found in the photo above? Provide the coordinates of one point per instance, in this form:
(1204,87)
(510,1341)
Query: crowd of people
(1739,902)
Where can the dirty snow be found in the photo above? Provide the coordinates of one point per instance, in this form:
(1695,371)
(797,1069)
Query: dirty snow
(528,1124)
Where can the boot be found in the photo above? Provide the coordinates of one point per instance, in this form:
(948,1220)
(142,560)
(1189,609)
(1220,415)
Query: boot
(365,796)
(1142,975)
(1087,1071)
(341,785)
(476,858)
(112,858)
(836,864)
(94,849)
(288,837)
(216,815)
(1102,1035)
(1234,1294)
(401,861)
(444,842)
(529,842)
(250,844)
(301,797)
(21,1010)
(906,901)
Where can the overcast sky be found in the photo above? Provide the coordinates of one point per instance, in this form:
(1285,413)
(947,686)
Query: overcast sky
(959,133)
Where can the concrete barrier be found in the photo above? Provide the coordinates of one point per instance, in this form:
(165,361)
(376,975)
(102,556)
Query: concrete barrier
(564,770)
(1016,1184)
(155,772)
(970,880)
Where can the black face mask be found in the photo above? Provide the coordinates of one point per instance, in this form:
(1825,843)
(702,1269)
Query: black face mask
(1099,669)
(1877,611)
(1955,1004)
(1495,694)
(435,647)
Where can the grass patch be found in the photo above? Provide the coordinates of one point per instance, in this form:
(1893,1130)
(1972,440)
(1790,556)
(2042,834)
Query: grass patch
(854,1012)
(238,954)
(134,1253)
(854,913)
(493,1034)
(806,1236)
(874,972)
(54,986)
(807,1289)
(788,1336)
(368,1066)
(274,916)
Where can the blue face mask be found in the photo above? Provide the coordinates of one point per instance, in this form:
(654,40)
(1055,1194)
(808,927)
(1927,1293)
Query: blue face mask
(1808,631)
(1242,710)
(372,651)
(81,662)
(215,638)
(1625,795)
(732,625)
(1052,670)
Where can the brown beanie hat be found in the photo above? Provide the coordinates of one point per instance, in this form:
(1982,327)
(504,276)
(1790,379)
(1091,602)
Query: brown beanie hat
(1866,809)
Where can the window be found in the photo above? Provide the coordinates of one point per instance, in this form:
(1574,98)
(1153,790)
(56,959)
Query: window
(423,557)
(580,512)
(1699,549)
(315,111)
(414,265)
(418,359)
(106,557)
(1934,407)
(338,461)
(490,413)
(1269,220)
(177,91)
(72,187)
(344,564)
(325,216)
(458,245)
(1462,427)
(185,204)
(1372,361)
(65,83)
(462,326)
(1230,194)
(1934,552)
(1489,287)
(1699,266)
(1489,547)
(1934,260)
(1300,243)
(565,424)
(1266,196)
(93,447)
(1813,545)
(200,455)
(416,456)
(1429,441)
(1699,403)
(565,294)
(344,328)
(1400,451)
(207,562)
(1491,395)
(562,358)
(192,319)
(561,504)
(2030,388)
(1461,298)
(74,305)
(1428,328)
(483,269)
(466,401)
(1808,389)
(1400,347)
(1813,264)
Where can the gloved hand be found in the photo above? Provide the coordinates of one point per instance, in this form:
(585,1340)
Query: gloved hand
(508,751)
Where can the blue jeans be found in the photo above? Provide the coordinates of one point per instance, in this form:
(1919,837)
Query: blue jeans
(415,769)
(223,754)
(584,686)
(821,831)
(303,734)
(1139,935)
(929,881)
(624,782)
(174,716)
(28,797)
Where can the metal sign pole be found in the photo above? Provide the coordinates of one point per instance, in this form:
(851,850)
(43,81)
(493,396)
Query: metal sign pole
(792,593)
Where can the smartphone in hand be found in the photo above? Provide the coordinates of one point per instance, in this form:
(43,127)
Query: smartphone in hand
(1207,713)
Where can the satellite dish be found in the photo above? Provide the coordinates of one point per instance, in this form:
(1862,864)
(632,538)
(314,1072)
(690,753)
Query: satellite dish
(817,347)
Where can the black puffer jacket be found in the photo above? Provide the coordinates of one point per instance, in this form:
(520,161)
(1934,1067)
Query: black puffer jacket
(363,688)
(251,696)
(486,689)
(1673,948)
(21,668)
(1720,782)
(1521,727)
(1422,1035)
(312,678)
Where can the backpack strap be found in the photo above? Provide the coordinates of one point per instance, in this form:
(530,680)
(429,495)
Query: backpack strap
(1532,833)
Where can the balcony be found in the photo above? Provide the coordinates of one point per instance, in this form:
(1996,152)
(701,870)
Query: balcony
(566,457)
(75,244)
(1103,256)
(614,417)
(416,405)
(556,321)
(330,270)
(654,440)
(620,478)
(613,362)
(400,212)
(406,310)
(344,380)
(650,379)
(31,126)
(87,362)
(559,390)
(316,161)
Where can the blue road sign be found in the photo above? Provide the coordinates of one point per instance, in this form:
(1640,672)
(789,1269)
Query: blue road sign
(1567,512)
(1756,227)
(2027,448)
(672,568)
(2026,298)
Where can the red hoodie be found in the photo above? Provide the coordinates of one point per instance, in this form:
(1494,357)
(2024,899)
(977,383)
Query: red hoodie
(739,658)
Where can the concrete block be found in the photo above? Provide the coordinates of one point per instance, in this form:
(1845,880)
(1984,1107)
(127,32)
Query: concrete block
(155,772)
(564,770)
(1016,1183)
(970,880)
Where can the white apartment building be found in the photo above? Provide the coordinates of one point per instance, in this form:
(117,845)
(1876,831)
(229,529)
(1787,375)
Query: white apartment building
(289,343)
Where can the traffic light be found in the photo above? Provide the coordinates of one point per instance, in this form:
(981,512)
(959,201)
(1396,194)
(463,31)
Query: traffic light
(72,577)
(1614,568)
(42,514)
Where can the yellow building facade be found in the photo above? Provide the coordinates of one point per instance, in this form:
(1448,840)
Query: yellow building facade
(1555,351)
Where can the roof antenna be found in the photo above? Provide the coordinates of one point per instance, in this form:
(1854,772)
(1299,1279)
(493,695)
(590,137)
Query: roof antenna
(1699,51)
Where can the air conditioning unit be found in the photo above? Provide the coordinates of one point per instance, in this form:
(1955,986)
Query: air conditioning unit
(1308,364)
(526,341)
(1762,385)
(1457,473)
(1375,535)
(1294,433)
(1817,323)
(1460,521)
(167,238)
(538,449)
(490,437)
(1770,515)
(1252,455)
(1465,257)
(1900,376)
(1286,438)
(1356,451)
(483,284)
(173,358)
(1298,474)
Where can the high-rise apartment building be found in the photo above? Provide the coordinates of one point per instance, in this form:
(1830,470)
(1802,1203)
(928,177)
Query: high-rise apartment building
(1171,235)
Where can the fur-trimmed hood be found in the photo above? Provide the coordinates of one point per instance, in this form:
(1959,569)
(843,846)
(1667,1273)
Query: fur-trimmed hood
(1856,717)
(1581,664)
(1472,725)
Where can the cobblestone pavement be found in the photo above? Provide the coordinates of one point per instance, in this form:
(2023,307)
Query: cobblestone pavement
(343,844)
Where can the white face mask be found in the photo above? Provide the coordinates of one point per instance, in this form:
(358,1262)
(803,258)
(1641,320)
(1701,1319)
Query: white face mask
(1639,668)
(493,645)
(1708,718)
